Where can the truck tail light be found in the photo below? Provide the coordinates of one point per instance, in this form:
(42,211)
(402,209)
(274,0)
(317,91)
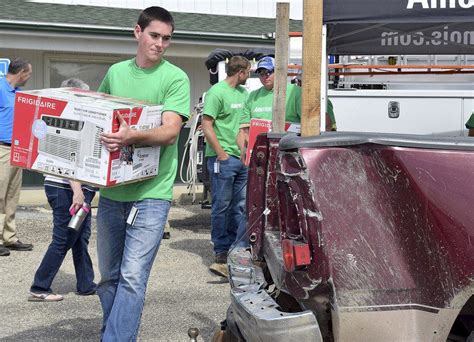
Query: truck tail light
(295,254)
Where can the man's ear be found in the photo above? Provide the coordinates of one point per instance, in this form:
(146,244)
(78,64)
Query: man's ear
(137,31)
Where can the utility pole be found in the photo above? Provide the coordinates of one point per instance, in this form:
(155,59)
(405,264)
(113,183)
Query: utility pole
(281,66)
(311,81)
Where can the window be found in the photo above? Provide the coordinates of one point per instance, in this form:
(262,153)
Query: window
(89,69)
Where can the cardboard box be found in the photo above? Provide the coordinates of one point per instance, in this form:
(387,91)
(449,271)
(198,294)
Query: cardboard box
(57,131)
(258,126)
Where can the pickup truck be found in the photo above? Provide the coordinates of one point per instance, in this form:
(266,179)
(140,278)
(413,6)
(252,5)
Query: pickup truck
(356,237)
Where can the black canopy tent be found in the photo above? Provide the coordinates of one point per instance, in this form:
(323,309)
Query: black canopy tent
(384,27)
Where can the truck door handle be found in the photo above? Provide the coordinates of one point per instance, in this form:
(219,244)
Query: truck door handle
(393,109)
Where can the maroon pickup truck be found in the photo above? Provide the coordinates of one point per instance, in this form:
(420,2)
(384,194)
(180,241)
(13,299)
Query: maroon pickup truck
(357,237)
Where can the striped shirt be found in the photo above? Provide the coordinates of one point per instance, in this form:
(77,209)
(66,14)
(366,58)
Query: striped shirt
(63,183)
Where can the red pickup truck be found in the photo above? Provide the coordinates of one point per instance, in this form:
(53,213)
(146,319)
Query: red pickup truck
(361,236)
(357,237)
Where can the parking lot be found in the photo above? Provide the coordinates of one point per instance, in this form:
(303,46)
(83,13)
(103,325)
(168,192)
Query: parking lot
(181,292)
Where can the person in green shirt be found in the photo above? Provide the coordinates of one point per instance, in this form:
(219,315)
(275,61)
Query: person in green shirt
(260,102)
(223,105)
(470,125)
(131,217)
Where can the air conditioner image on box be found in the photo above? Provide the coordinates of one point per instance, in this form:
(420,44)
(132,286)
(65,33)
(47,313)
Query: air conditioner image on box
(70,140)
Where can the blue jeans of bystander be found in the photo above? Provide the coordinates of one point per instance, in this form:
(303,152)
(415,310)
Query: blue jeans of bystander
(242,238)
(126,253)
(64,239)
(228,190)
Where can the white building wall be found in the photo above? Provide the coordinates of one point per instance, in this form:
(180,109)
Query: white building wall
(248,8)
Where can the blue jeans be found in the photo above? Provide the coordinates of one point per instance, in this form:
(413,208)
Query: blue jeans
(126,253)
(228,190)
(64,239)
(242,238)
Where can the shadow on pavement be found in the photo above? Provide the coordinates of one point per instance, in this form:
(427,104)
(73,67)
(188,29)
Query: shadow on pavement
(194,219)
(64,283)
(195,224)
(199,247)
(79,329)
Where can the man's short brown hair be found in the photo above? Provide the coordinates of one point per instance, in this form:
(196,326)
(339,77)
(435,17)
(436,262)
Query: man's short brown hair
(236,64)
(155,13)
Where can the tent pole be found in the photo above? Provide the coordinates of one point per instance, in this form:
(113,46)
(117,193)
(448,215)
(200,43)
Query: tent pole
(311,82)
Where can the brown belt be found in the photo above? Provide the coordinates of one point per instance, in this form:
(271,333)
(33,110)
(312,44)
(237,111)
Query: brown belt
(5,143)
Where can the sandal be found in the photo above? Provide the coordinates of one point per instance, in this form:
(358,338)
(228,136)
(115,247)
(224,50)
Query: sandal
(44,297)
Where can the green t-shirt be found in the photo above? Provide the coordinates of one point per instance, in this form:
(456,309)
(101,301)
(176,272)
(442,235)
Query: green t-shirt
(260,102)
(164,84)
(470,122)
(224,104)
(330,111)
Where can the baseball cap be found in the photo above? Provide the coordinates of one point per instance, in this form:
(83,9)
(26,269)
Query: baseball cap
(267,63)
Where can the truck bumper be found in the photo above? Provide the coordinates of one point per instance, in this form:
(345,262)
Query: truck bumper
(257,316)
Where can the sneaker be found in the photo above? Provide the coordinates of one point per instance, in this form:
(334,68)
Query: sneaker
(221,258)
(90,293)
(20,246)
(219,269)
(4,251)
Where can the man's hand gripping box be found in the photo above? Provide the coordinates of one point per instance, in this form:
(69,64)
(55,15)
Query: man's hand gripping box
(57,131)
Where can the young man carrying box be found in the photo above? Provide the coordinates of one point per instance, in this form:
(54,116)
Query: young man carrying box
(131,218)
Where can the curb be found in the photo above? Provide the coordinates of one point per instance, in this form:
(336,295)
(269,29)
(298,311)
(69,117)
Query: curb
(35,197)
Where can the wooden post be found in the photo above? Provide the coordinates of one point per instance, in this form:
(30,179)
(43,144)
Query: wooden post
(281,66)
(311,81)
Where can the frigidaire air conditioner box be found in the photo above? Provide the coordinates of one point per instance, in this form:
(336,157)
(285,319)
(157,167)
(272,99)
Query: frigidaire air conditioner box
(57,131)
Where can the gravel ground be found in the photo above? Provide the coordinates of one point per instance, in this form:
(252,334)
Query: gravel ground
(181,292)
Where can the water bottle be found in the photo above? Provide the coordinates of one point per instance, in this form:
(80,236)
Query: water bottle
(79,216)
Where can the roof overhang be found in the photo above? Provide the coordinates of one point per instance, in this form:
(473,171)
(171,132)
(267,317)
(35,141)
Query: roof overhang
(115,40)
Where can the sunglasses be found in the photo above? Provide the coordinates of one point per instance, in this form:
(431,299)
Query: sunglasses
(264,73)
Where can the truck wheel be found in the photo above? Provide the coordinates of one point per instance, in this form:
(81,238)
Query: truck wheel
(463,327)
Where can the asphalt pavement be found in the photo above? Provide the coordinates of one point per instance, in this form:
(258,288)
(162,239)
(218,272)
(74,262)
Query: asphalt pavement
(181,292)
